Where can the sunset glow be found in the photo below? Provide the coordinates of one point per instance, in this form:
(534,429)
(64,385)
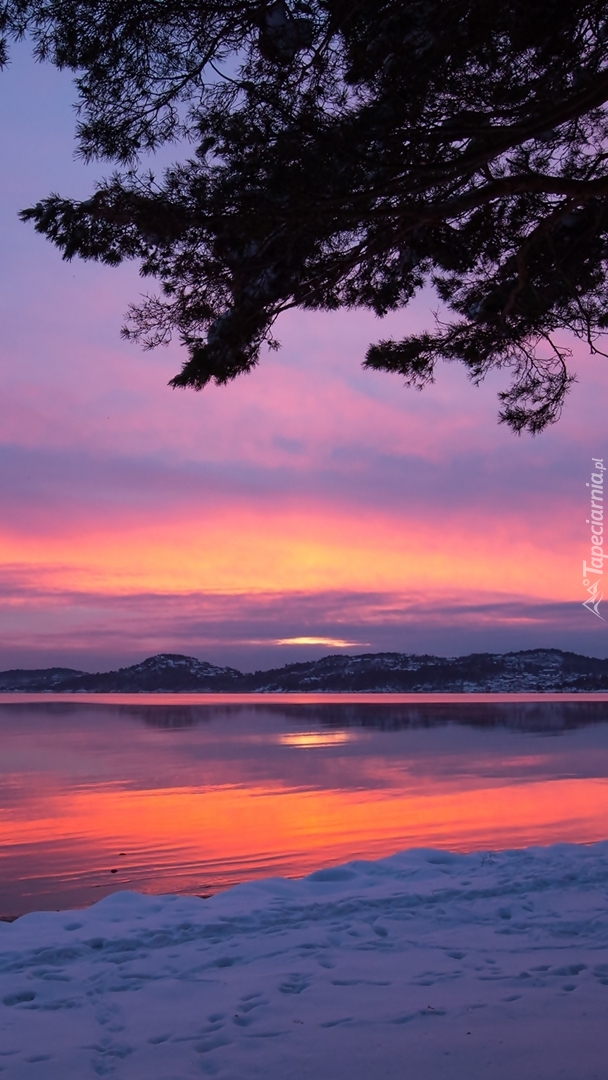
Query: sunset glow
(331,643)
(335,824)
(307,505)
(154,793)
(191,833)
(303,546)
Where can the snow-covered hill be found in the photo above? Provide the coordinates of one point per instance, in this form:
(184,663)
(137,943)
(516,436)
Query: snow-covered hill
(533,670)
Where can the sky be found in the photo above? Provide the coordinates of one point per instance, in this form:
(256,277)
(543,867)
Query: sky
(307,500)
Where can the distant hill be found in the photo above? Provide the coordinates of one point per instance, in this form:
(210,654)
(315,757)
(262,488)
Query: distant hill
(532,670)
(167,672)
(38,678)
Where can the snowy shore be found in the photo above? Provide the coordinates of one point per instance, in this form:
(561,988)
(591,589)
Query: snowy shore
(426,966)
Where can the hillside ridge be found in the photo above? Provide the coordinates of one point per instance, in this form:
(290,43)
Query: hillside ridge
(529,670)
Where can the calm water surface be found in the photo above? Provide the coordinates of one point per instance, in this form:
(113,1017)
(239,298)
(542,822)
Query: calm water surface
(193,796)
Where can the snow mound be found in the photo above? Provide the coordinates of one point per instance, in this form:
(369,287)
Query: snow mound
(425,965)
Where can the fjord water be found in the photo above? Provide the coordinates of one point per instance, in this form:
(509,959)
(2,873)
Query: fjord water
(194,796)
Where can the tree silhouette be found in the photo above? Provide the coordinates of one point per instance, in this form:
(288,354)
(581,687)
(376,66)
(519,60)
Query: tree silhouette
(347,154)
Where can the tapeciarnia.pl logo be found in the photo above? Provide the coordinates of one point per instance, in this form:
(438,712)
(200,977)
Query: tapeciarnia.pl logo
(593,572)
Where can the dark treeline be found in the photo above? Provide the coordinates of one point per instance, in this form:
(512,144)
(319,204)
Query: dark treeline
(537,670)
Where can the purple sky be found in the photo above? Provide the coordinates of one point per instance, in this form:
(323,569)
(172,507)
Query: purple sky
(308,499)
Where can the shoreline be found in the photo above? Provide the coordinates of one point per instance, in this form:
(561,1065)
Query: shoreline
(469,697)
(461,965)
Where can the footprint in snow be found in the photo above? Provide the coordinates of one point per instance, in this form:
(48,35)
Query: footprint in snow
(295,984)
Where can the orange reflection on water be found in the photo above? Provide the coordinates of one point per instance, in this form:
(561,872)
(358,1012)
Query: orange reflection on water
(202,837)
(306,740)
(193,798)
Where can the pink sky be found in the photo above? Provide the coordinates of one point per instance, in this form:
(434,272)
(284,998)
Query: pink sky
(308,499)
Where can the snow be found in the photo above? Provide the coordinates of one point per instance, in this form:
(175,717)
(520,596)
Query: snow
(424,965)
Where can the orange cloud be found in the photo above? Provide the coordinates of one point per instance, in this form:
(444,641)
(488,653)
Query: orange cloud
(303,547)
(331,643)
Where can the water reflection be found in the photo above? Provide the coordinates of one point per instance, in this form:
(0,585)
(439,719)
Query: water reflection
(194,797)
(534,716)
(308,740)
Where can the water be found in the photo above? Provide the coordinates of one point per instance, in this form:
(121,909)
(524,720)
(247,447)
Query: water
(177,795)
